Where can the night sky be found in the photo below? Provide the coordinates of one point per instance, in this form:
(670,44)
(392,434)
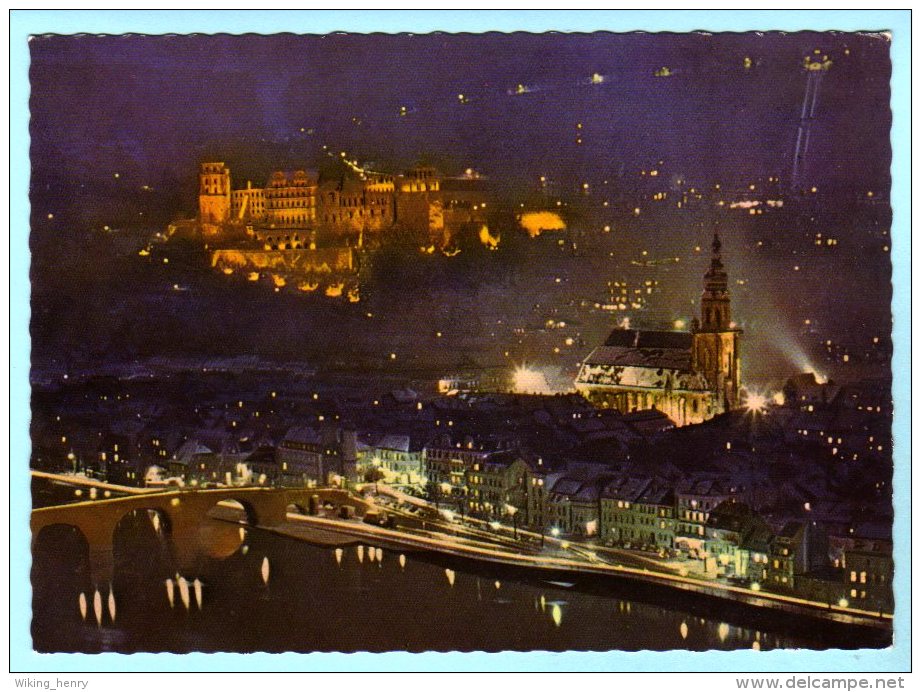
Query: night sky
(151,108)
(156,103)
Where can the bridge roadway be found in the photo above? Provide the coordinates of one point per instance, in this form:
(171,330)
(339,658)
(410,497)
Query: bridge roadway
(181,514)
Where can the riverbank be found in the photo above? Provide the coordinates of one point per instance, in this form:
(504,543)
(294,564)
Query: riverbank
(873,627)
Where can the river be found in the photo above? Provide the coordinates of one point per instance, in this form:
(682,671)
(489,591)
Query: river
(313,601)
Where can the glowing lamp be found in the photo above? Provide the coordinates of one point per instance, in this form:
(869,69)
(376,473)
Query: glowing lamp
(755,402)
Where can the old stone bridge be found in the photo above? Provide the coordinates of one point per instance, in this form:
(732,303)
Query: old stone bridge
(180,514)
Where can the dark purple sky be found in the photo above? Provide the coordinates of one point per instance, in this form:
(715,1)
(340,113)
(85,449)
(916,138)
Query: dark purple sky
(151,108)
(152,104)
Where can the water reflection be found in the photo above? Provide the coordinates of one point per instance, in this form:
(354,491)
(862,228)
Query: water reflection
(97,607)
(183,591)
(111,604)
(264,571)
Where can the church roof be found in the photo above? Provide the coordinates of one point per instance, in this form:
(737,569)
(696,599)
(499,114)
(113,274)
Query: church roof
(652,358)
(644,349)
(642,339)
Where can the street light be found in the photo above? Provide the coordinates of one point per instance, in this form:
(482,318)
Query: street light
(443,489)
(512,511)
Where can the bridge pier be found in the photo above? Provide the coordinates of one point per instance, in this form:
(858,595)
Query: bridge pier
(98,536)
(102,565)
(187,554)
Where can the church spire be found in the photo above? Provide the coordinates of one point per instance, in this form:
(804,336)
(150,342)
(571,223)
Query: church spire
(715,299)
(715,278)
(716,260)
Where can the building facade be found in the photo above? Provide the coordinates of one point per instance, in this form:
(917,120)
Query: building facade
(639,513)
(689,376)
(398,458)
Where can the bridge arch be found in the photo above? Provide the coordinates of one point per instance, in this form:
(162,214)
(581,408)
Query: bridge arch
(50,536)
(159,518)
(234,508)
(143,554)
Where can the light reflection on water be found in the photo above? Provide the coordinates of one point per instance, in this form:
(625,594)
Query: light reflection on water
(329,599)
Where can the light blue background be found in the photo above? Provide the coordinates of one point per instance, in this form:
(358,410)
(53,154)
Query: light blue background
(23,23)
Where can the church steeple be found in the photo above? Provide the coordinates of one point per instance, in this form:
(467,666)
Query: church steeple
(714,303)
(716,342)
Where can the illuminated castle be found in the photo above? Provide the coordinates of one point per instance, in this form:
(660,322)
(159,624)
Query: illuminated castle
(294,204)
(689,376)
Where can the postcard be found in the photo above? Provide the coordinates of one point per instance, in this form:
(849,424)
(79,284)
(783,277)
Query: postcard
(479,342)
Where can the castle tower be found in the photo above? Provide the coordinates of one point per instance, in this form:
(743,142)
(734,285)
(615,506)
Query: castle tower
(716,340)
(213,195)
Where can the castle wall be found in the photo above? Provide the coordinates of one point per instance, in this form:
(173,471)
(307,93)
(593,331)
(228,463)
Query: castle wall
(350,211)
(293,262)
(420,211)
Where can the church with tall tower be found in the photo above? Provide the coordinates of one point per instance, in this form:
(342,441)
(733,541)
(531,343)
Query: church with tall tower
(689,376)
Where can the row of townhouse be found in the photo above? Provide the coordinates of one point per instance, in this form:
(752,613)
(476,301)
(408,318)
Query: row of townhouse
(703,520)
(624,510)
(481,478)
